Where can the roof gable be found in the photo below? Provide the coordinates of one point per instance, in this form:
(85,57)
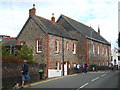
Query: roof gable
(50,27)
(82,29)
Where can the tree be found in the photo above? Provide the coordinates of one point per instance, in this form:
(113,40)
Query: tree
(26,53)
(5,52)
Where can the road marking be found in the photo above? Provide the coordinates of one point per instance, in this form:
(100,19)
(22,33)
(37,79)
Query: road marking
(95,79)
(103,75)
(33,84)
(83,86)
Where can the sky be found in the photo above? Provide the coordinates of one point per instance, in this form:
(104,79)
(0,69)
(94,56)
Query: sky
(94,13)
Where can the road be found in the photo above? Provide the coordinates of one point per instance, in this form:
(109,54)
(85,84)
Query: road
(100,79)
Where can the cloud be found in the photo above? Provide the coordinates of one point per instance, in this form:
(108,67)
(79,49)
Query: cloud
(95,12)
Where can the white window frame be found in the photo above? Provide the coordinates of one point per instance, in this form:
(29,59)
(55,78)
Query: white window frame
(98,49)
(74,48)
(93,48)
(57,46)
(67,45)
(39,46)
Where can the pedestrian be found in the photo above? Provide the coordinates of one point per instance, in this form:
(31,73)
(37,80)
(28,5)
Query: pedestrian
(86,67)
(41,73)
(78,68)
(25,74)
(83,67)
(112,67)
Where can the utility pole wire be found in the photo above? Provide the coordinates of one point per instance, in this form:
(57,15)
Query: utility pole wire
(12,13)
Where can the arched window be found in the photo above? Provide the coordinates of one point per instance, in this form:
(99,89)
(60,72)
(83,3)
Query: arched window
(22,43)
(39,45)
(74,48)
(67,45)
(98,49)
(93,48)
(57,46)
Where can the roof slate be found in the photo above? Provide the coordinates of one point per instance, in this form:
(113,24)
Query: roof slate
(9,41)
(82,29)
(50,27)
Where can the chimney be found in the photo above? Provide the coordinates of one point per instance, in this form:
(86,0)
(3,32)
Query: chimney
(53,18)
(98,30)
(32,12)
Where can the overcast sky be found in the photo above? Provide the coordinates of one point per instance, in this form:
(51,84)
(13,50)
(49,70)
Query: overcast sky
(14,13)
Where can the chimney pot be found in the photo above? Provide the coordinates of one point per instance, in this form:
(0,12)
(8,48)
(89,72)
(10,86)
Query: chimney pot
(32,12)
(53,18)
(98,29)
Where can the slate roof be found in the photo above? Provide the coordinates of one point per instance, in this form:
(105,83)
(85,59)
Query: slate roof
(9,41)
(88,32)
(67,28)
(50,27)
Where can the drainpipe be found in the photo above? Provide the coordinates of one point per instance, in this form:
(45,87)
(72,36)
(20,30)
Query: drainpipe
(63,55)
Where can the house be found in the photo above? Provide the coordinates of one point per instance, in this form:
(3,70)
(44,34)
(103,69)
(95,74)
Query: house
(96,49)
(115,57)
(10,44)
(63,44)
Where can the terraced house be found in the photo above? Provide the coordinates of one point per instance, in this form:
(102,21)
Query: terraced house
(62,44)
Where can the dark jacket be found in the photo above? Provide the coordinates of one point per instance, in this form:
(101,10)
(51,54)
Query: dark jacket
(25,68)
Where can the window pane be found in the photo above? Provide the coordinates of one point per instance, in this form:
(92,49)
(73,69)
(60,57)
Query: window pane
(56,45)
(23,43)
(39,45)
(74,48)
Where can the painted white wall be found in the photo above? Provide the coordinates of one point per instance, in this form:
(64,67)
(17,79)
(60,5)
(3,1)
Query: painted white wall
(114,53)
(54,73)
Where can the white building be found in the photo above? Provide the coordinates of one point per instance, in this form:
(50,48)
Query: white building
(114,56)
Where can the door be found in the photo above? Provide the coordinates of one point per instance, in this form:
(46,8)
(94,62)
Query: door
(65,68)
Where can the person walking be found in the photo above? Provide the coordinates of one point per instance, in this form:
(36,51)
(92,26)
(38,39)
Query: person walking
(25,74)
(86,67)
(41,73)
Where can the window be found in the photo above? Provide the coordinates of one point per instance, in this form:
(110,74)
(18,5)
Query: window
(118,57)
(57,46)
(67,45)
(74,48)
(57,65)
(93,48)
(106,51)
(39,45)
(98,50)
(99,63)
(22,43)
(103,63)
(103,51)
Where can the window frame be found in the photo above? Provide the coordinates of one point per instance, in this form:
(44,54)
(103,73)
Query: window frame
(21,43)
(74,48)
(57,45)
(37,46)
(67,45)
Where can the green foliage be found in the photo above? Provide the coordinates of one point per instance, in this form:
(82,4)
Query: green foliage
(26,53)
(5,52)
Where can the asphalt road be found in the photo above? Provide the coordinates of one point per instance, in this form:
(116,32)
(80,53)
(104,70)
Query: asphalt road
(100,79)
